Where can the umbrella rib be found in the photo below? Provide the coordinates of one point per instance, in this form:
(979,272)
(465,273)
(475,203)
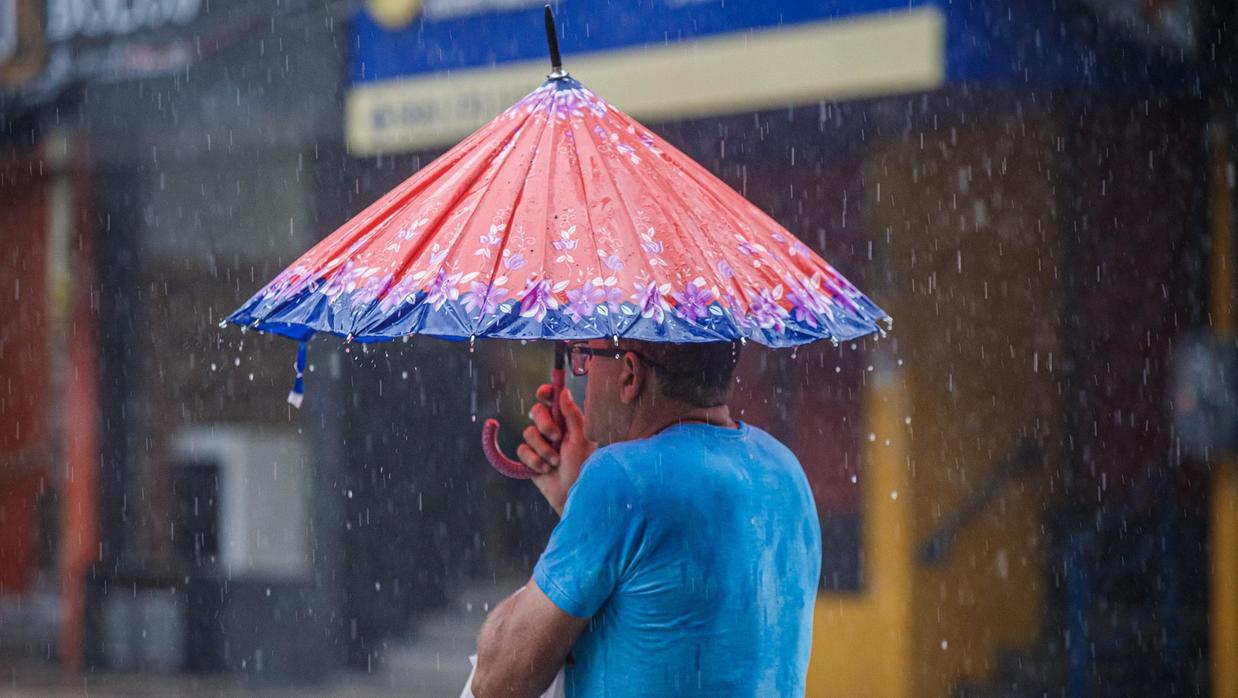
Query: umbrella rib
(464,322)
(696,179)
(429,237)
(670,220)
(698,174)
(507,227)
(627,212)
(584,189)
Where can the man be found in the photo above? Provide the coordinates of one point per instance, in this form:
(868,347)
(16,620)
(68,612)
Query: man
(688,551)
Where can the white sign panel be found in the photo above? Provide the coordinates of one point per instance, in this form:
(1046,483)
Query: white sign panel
(8,29)
(67,19)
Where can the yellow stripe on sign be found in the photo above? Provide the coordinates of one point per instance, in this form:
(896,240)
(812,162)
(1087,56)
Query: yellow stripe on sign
(858,57)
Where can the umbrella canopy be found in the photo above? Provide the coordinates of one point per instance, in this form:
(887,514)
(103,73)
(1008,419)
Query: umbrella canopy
(563,218)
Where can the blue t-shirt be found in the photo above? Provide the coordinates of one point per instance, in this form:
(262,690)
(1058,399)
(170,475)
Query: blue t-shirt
(696,553)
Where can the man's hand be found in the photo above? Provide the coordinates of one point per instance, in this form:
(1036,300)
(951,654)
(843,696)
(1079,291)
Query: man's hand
(555,456)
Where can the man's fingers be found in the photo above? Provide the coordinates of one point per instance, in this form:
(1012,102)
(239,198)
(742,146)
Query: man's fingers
(573,418)
(545,422)
(533,439)
(543,392)
(533,461)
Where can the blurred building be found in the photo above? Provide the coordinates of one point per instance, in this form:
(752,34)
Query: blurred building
(1030,189)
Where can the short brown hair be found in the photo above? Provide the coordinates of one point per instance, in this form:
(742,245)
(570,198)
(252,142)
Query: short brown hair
(697,374)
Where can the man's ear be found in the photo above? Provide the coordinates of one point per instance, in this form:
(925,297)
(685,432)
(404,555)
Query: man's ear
(633,376)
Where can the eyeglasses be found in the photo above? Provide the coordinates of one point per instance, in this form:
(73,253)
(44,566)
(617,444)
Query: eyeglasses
(580,355)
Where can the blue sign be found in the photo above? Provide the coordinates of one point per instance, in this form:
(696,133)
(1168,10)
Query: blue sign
(427,71)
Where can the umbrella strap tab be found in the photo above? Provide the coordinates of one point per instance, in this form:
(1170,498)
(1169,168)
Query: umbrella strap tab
(297,394)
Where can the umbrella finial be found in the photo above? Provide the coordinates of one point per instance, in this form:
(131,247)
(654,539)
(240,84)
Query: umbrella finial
(552,43)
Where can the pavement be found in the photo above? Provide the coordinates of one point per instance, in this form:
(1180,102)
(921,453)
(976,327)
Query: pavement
(432,664)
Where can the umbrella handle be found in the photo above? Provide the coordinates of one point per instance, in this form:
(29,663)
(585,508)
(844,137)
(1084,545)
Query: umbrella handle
(490,430)
(500,462)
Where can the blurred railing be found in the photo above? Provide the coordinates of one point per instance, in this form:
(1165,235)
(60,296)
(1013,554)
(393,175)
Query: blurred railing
(1021,461)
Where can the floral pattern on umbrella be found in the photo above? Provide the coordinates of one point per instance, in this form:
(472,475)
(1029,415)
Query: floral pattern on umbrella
(563,218)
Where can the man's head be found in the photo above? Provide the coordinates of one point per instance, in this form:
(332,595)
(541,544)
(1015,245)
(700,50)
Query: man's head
(638,376)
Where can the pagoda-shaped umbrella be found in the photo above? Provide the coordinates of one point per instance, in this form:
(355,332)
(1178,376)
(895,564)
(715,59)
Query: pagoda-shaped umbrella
(561,219)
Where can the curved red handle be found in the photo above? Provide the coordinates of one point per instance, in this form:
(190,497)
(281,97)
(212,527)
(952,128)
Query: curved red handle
(490,431)
(500,462)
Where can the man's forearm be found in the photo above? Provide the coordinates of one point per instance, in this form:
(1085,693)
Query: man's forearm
(505,665)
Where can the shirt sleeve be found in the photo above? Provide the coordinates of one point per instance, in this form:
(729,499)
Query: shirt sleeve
(595,542)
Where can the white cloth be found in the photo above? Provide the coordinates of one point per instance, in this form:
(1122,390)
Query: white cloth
(556,689)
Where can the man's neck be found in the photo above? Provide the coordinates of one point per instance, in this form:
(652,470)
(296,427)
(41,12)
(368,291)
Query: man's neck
(646,425)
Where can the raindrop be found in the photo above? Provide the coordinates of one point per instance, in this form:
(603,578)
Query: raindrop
(854,479)
(944,644)
(213,366)
(894,494)
(872,437)
(236,361)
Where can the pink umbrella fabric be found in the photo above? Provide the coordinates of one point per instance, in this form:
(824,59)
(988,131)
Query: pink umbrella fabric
(563,218)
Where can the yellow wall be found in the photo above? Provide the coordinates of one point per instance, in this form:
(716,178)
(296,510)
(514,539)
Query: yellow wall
(862,642)
(966,217)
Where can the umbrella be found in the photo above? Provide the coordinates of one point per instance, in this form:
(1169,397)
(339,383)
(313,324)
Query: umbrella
(561,219)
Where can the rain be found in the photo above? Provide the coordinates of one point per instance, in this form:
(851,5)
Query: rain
(294,287)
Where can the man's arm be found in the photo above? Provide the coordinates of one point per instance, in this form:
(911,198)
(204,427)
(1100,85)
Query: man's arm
(522,645)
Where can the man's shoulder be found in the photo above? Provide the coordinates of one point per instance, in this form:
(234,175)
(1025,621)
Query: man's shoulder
(764,440)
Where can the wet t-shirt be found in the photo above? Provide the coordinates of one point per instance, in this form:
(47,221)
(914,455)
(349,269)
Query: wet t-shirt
(696,555)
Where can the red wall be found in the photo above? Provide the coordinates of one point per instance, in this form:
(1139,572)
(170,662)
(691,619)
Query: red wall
(24,364)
